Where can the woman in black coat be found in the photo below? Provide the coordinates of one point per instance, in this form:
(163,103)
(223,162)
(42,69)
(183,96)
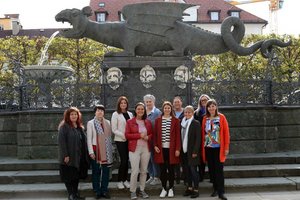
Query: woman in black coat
(198,115)
(73,154)
(191,141)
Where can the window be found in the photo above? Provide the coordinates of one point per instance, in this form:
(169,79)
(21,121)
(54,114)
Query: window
(1,27)
(214,16)
(101,4)
(101,17)
(235,14)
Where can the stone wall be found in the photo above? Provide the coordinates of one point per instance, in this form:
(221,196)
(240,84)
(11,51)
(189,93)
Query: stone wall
(254,129)
(263,129)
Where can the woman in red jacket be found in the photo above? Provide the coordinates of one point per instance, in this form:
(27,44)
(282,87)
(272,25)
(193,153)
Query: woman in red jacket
(216,139)
(167,147)
(138,132)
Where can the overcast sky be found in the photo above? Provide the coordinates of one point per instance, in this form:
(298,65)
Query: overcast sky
(40,13)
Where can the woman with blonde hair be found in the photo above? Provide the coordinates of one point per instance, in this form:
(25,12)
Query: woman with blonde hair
(198,115)
(191,148)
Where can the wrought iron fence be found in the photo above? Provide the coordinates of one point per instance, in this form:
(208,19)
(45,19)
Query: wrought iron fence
(85,95)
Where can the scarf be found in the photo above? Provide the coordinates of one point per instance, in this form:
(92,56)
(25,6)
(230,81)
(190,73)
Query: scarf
(185,125)
(104,142)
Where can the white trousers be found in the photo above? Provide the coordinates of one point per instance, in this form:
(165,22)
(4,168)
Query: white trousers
(139,163)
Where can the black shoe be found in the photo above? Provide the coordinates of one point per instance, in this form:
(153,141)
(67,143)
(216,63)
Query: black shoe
(214,194)
(177,181)
(78,197)
(221,196)
(195,194)
(105,195)
(71,197)
(187,192)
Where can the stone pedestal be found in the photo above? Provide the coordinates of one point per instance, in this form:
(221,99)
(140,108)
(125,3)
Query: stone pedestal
(253,129)
(134,77)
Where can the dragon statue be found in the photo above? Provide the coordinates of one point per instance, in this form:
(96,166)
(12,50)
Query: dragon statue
(157,29)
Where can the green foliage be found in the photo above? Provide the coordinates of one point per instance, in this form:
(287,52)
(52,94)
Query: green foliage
(13,51)
(85,57)
(229,66)
(289,57)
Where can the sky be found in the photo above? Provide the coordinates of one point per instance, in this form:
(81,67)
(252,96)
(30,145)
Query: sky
(286,17)
(47,9)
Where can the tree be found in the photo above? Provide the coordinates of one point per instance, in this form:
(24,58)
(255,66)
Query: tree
(229,66)
(244,76)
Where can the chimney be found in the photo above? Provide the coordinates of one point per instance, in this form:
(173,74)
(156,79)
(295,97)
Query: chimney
(16,27)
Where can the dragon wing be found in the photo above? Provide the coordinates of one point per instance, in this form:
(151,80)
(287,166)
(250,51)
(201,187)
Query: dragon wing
(153,17)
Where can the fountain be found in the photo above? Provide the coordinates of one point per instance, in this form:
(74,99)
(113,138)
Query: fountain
(45,74)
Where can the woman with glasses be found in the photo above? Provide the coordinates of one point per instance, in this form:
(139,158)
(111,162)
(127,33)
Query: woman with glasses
(198,115)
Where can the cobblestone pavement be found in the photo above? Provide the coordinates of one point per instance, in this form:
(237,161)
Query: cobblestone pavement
(284,195)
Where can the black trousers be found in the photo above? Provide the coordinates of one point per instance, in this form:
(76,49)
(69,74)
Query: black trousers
(191,173)
(215,168)
(166,170)
(72,187)
(177,171)
(201,170)
(124,156)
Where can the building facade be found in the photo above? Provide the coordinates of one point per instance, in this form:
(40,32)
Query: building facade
(206,14)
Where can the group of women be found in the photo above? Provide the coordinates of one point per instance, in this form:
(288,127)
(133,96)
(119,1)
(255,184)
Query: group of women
(189,141)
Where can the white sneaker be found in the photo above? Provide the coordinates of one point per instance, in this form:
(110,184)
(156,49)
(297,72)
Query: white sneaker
(120,185)
(171,193)
(144,195)
(163,193)
(126,184)
(155,181)
(133,195)
(149,180)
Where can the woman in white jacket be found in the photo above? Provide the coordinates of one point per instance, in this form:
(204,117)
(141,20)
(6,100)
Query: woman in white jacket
(99,142)
(118,125)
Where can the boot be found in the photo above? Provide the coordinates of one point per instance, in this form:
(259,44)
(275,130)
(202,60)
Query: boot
(195,194)
(78,197)
(214,194)
(222,196)
(71,197)
(188,192)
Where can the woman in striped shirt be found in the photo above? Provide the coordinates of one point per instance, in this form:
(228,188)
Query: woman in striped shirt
(167,146)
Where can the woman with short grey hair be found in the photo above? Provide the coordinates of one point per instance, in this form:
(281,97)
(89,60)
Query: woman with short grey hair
(152,114)
(191,141)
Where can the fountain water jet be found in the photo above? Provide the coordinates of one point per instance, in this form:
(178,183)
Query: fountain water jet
(45,74)
(44,51)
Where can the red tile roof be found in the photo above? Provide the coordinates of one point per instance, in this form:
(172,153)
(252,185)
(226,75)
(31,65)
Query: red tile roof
(12,16)
(29,32)
(113,7)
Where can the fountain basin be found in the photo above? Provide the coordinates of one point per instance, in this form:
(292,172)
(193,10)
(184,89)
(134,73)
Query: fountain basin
(47,72)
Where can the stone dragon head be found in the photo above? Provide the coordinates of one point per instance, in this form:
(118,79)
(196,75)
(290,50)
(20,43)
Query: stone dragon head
(77,18)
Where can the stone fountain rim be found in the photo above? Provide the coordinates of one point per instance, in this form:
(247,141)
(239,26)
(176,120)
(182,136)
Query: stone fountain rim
(48,67)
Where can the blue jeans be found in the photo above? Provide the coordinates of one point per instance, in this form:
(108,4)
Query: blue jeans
(97,170)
